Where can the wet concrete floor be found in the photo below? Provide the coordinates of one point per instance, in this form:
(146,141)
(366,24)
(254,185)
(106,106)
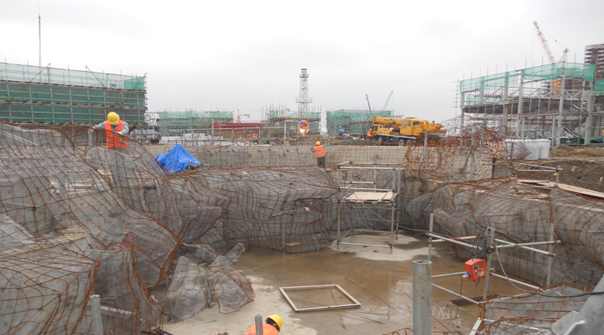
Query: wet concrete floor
(379,279)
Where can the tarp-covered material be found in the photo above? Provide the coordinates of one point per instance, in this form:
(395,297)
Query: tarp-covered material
(177,159)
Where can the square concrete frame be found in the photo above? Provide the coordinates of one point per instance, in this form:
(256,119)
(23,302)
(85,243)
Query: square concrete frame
(354,302)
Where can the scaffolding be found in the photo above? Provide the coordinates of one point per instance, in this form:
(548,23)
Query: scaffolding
(32,94)
(368,205)
(548,101)
(487,245)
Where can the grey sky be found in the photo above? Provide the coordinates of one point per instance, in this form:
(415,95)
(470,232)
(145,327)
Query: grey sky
(247,54)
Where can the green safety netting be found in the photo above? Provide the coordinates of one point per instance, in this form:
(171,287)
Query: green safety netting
(353,121)
(50,75)
(542,72)
(599,87)
(175,122)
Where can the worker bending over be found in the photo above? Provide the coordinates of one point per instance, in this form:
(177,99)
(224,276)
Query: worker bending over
(272,326)
(115,131)
(320,153)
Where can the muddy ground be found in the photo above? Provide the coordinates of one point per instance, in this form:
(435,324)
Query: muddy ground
(379,279)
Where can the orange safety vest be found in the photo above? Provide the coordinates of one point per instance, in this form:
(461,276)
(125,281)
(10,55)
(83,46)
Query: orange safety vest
(113,140)
(266,330)
(319,151)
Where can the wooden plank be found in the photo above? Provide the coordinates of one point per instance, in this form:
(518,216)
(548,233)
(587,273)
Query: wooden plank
(289,301)
(545,183)
(327,308)
(581,190)
(355,303)
(362,196)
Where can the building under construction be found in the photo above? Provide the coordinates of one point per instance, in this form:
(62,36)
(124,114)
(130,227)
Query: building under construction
(34,94)
(558,100)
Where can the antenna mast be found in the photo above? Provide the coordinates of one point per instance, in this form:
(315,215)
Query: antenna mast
(39,40)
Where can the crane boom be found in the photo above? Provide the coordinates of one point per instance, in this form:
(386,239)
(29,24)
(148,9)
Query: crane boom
(368,103)
(544,43)
(387,102)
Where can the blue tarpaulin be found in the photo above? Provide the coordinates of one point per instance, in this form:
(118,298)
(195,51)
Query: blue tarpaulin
(177,159)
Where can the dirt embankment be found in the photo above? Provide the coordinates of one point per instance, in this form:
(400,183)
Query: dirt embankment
(579,166)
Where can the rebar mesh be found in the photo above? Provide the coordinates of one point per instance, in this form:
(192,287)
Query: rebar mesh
(279,209)
(127,218)
(530,314)
(521,213)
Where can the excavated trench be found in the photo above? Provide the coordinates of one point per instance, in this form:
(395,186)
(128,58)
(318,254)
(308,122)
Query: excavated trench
(158,247)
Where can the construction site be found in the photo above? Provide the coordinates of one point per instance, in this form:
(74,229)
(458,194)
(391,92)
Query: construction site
(308,221)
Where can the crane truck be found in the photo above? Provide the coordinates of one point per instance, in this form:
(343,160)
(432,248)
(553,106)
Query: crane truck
(401,129)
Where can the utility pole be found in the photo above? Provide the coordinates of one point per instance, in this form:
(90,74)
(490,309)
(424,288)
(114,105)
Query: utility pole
(40,41)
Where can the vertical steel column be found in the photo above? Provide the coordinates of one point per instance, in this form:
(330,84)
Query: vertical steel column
(490,235)
(556,140)
(339,215)
(431,230)
(506,90)
(392,203)
(482,105)
(520,121)
(422,297)
(31,105)
(589,120)
(461,105)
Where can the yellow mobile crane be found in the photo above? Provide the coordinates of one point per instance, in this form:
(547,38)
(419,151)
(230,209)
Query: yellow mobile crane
(391,129)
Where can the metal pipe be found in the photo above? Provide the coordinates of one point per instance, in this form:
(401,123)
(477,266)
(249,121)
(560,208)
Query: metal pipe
(431,229)
(422,297)
(519,245)
(258,322)
(463,238)
(345,167)
(97,317)
(572,327)
(490,232)
(444,275)
(516,281)
(456,294)
(453,241)
(477,324)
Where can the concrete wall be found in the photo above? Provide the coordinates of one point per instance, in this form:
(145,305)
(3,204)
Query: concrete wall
(445,164)
(290,155)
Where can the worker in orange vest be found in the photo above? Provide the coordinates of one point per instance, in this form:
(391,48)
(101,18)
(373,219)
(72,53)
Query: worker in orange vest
(115,131)
(320,154)
(272,326)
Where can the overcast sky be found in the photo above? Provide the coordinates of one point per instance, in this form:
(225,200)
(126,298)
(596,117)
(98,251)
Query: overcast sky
(247,54)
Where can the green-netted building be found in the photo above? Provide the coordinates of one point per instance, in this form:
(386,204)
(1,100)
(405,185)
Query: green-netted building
(352,121)
(176,123)
(32,94)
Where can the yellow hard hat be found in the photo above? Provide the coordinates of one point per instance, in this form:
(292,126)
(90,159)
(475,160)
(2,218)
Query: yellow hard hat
(277,319)
(318,143)
(113,118)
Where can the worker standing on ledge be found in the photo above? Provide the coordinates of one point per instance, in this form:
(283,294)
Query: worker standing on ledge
(115,131)
(272,326)
(320,153)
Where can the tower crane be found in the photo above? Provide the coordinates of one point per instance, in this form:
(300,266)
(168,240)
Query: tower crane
(544,43)
(546,47)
